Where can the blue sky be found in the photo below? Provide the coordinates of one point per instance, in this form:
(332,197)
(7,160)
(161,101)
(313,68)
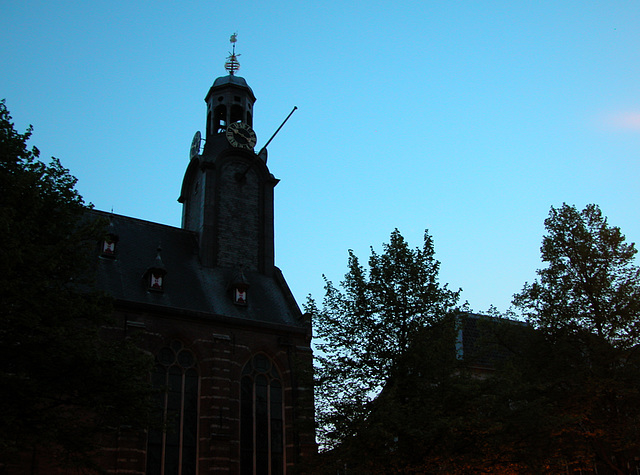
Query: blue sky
(466,118)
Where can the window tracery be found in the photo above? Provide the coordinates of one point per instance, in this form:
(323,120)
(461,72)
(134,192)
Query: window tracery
(261,418)
(172,442)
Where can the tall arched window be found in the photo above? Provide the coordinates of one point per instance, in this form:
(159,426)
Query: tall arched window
(237,113)
(172,442)
(219,119)
(261,420)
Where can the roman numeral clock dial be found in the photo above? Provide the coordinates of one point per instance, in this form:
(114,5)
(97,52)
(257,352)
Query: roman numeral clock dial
(240,135)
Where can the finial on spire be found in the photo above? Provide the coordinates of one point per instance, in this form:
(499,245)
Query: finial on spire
(232,64)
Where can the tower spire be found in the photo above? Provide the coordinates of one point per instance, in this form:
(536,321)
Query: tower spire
(232,64)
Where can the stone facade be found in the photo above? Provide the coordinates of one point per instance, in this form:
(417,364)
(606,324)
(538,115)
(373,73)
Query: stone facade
(232,348)
(222,348)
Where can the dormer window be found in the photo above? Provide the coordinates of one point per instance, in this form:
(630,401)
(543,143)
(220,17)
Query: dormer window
(155,282)
(154,276)
(109,244)
(239,288)
(240,294)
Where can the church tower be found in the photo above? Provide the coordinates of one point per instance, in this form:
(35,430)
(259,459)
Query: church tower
(227,191)
(232,348)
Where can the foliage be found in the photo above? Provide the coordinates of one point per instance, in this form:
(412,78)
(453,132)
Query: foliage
(426,411)
(561,393)
(590,281)
(365,331)
(61,383)
(582,365)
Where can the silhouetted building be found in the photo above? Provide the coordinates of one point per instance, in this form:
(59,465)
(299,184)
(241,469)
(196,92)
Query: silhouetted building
(232,347)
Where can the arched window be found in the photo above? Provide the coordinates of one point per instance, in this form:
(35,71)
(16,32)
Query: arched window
(172,442)
(261,421)
(220,119)
(237,113)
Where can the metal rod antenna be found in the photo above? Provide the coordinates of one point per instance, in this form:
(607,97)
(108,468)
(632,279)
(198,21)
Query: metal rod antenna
(274,134)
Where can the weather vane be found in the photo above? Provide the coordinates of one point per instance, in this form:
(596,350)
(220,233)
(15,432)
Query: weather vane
(232,64)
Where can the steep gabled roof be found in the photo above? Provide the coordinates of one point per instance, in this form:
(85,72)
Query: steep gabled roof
(187,286)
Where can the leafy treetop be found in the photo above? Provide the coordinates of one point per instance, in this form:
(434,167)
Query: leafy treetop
(590,282)
(61,383)
(365,330)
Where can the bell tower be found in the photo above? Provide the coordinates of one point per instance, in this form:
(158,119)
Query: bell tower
(227,191)
(229,100)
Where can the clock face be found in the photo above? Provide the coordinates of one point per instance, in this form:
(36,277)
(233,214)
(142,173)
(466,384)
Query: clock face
(240,135)
(195,145)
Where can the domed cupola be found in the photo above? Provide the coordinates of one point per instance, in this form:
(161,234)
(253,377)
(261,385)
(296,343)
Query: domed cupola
(229,100)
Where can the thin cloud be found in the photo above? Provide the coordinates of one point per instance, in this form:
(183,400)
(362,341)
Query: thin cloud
(624,121)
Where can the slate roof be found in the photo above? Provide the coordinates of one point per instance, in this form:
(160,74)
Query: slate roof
(231,80)
(188,286)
